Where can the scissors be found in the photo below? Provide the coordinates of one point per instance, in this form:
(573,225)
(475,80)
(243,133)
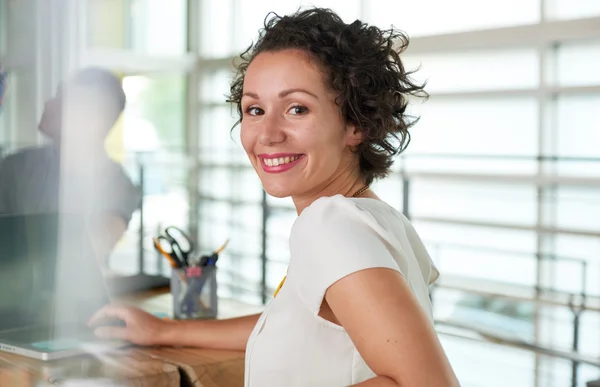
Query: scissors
(175,245)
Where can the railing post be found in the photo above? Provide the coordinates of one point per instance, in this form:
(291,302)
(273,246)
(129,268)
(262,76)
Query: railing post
(263,254)
(577,310)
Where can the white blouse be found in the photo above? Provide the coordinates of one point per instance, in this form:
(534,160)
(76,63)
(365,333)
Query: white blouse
(332,238)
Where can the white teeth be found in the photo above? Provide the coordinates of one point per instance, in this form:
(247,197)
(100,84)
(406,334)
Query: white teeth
(280,161)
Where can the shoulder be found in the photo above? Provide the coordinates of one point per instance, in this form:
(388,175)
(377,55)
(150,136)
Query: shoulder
(25,156)
(342,230)
(329,211)
(340,215)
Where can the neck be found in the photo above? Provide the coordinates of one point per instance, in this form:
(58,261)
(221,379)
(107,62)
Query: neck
(346,184)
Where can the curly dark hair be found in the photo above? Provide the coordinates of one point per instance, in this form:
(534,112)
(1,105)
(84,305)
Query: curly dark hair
(362,66)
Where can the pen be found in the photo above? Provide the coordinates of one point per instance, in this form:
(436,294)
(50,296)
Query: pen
(212,259)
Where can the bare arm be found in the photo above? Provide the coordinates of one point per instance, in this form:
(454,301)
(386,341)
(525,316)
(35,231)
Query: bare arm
(230,334)
(390,330)
(143,328)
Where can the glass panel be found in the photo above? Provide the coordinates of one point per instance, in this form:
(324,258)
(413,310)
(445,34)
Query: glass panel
(484,201)
(149,139)
(496,315)
(216,21)
(215,86)
(439,236)
(18,121)
(482,127)
(577,123)
(239,264)
(429,17)
(476,70)
(6,113)
(252,15)
(19,116)
(18,27)
(571,9)
(580,248)
(3,27)
(138,25)
(578,63)
(578,208)
(218,143)
(390,191)
(279,227)
(217,182)
(155,117)
(246,185)
(479,364)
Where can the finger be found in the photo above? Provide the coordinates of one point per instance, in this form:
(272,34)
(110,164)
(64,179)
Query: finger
(108,312)
(112,333)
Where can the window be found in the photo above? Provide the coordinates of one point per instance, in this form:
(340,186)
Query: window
(571,9)
(149,140)
(500,177)
(145,26)
(430,17)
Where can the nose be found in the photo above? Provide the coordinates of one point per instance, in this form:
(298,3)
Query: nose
(271,131)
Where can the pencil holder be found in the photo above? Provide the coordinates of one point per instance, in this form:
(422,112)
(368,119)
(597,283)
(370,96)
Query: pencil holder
(194,291)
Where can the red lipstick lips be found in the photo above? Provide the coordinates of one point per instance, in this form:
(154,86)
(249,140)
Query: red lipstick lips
(279,162)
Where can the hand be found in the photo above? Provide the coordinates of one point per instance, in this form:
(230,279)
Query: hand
(140,328)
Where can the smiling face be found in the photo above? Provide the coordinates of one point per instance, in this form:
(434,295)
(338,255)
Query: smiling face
(292,129)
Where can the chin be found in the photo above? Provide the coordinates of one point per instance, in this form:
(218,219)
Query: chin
(278,193)
(277,190)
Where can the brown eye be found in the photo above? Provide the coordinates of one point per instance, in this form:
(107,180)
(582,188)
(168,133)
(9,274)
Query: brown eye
(298,110)
(254,111)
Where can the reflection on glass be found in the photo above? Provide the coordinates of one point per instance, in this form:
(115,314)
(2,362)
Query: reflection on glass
(63,208)
(73,173)
(150,142)
(146,26)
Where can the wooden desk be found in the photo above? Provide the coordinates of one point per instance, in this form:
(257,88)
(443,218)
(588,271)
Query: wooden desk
(137,366)
(200,367)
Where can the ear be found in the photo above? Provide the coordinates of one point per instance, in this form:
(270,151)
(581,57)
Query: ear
(353,136)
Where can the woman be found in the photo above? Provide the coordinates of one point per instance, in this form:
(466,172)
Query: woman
(322,110)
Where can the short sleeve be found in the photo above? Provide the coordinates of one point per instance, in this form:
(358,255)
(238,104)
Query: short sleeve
(330,240)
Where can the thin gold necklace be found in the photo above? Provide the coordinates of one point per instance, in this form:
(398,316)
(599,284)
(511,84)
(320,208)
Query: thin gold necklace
(360,191)
(356,194)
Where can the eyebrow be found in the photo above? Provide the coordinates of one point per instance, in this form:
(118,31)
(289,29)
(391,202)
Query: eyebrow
(282,94)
